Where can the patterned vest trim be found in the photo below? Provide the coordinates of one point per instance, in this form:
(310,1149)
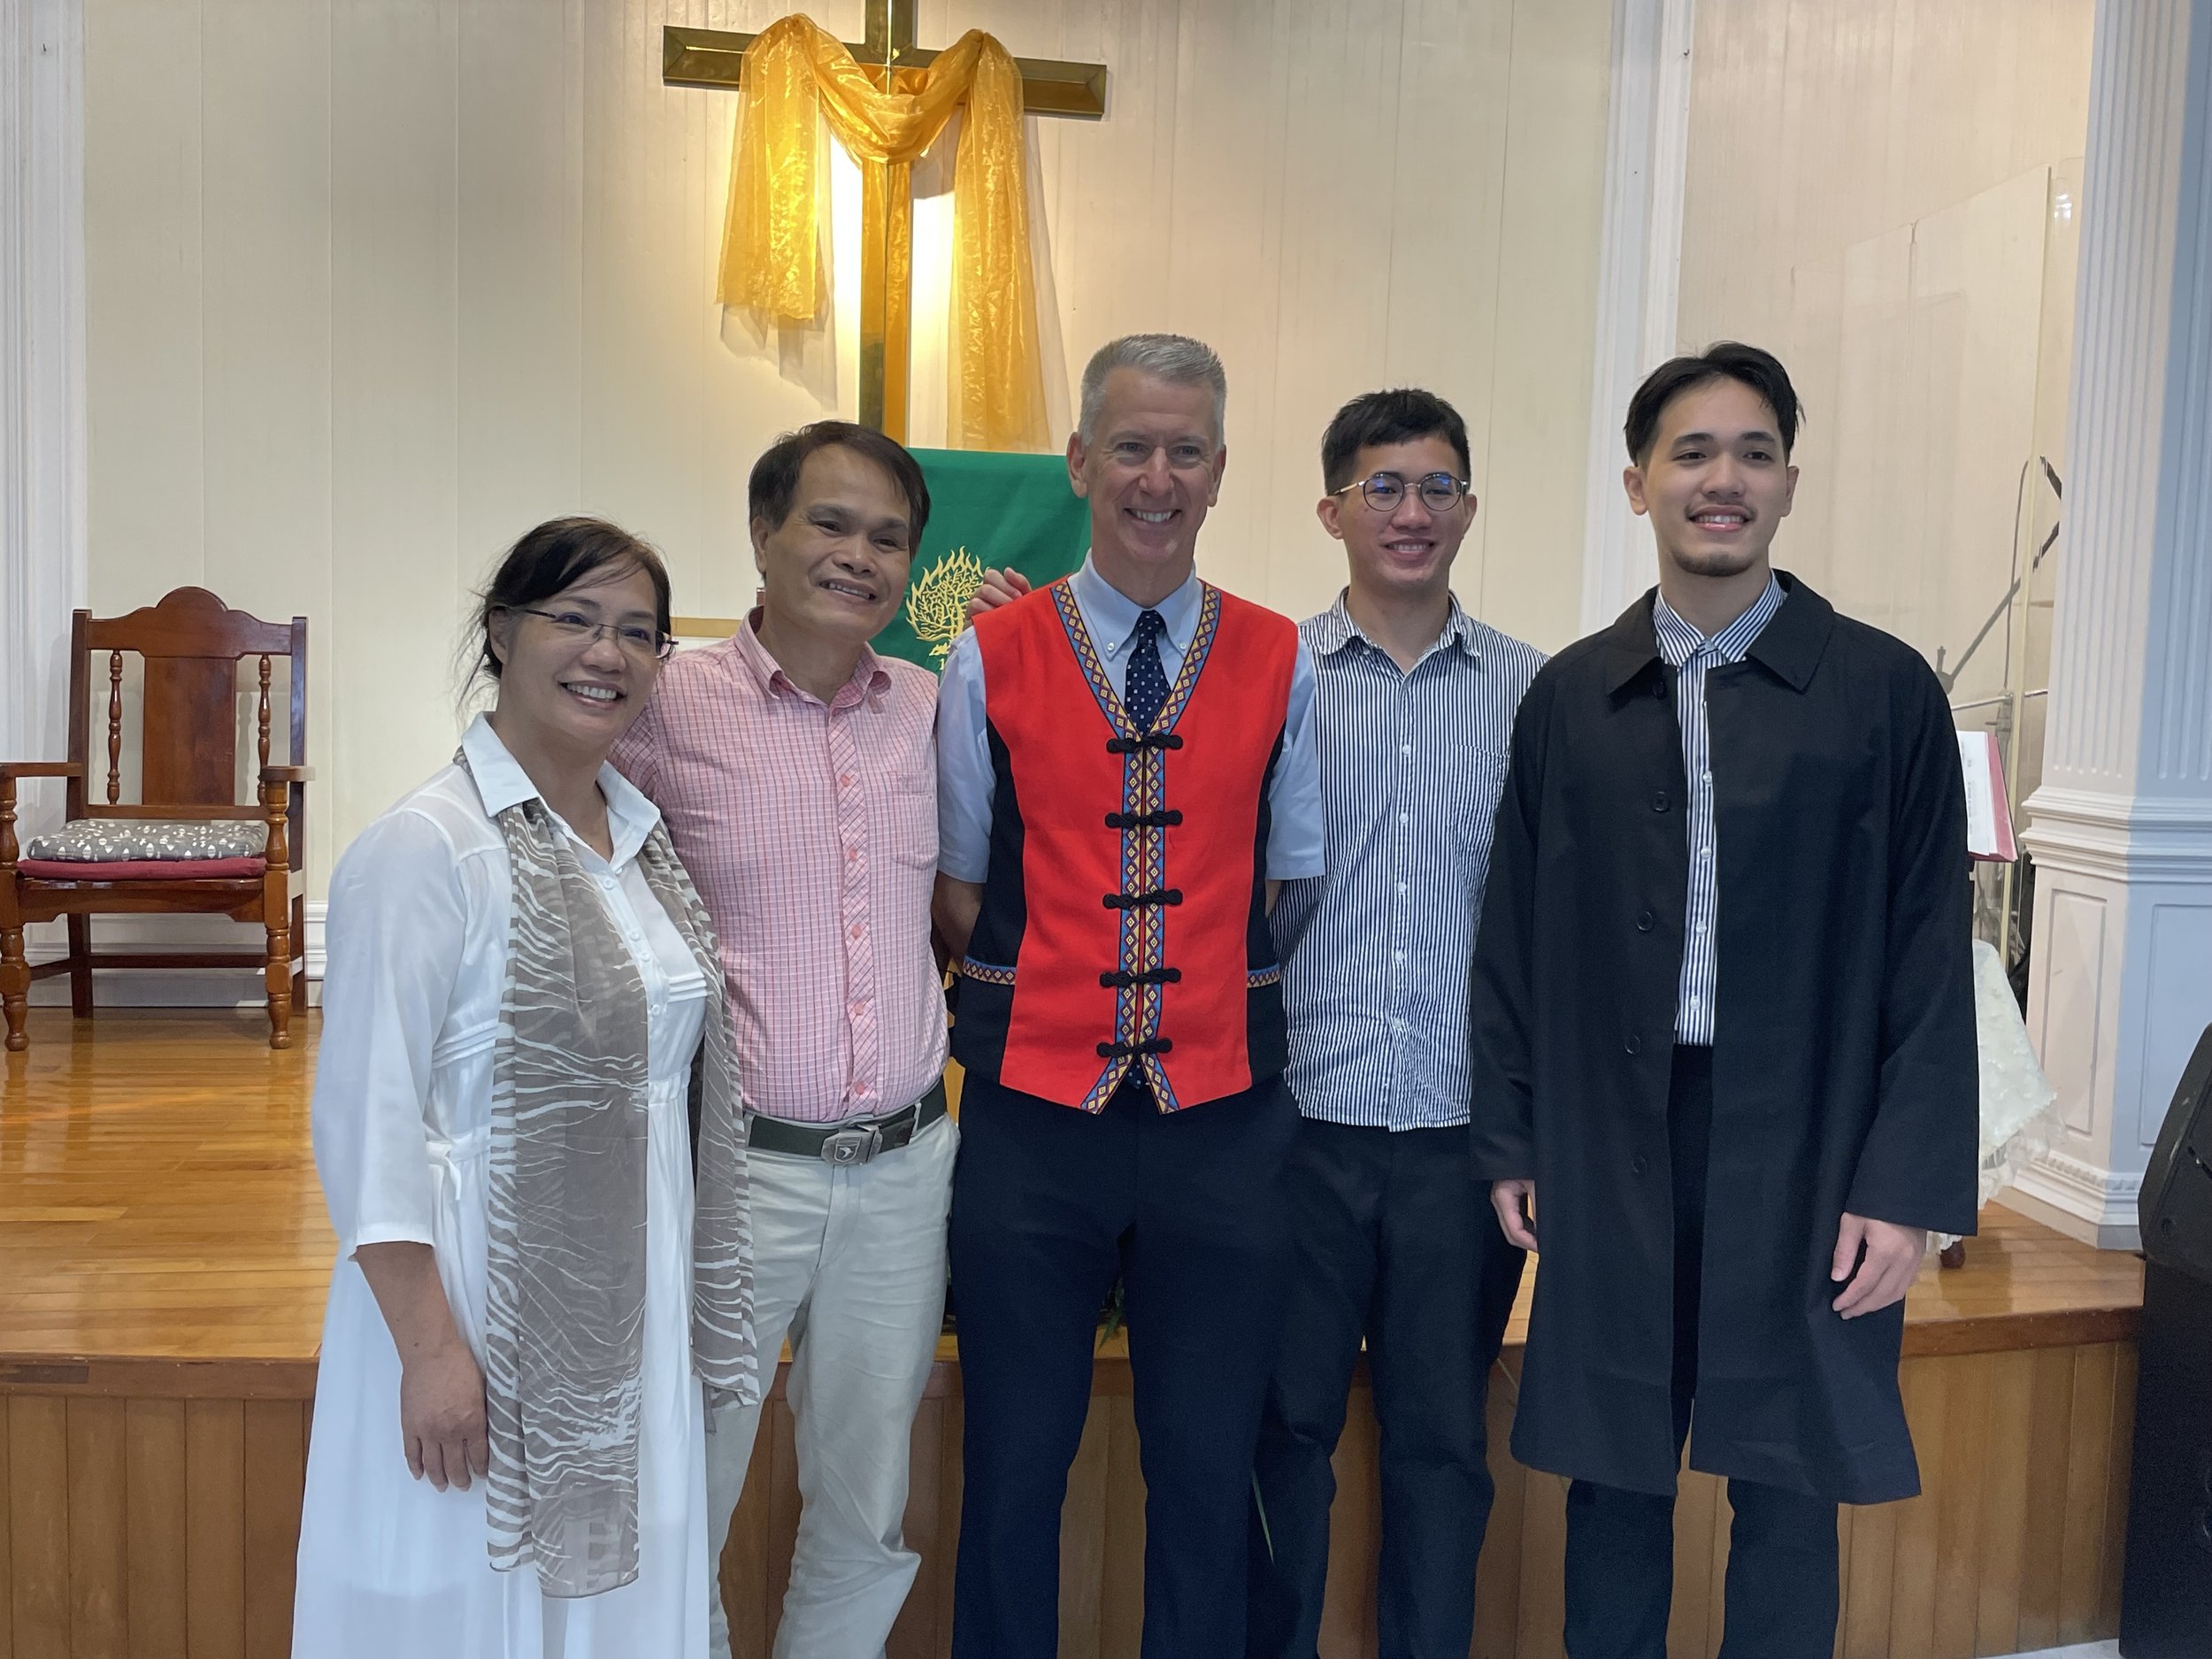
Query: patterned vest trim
(1124,920)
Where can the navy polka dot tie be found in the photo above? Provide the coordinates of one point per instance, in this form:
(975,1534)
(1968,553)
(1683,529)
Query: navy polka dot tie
(1146,688)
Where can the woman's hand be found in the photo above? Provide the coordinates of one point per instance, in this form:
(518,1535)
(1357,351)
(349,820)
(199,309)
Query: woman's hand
(441,1417)
(441,1390)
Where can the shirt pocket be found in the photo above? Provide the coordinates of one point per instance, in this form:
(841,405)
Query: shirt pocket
(1474,807)
(909,820)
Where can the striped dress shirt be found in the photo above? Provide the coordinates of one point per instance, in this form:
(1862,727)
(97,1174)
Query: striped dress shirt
(810,831)
(1689,653)
(1378,950)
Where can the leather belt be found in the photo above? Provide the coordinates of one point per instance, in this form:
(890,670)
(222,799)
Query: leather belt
(847,1144)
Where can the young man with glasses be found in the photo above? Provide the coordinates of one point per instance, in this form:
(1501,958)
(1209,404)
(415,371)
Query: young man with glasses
(795,770)
(1126,765)
(1393,1240)
(1725,1039)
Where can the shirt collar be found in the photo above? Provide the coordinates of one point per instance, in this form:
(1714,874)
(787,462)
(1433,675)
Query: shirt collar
(1112,615)
(1680,641)
(1791,647)
(868,676)
(501,783)
(1333,629)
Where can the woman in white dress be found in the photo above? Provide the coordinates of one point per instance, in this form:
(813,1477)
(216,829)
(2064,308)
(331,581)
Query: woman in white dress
(525,1055)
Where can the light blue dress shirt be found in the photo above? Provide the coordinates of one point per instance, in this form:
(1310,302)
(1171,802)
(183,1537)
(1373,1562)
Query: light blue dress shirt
(966,784)
(1377,952)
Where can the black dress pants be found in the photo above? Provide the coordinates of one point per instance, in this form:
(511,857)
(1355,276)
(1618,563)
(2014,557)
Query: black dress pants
(1393,1241)
(1049,1204)
(1782,1595)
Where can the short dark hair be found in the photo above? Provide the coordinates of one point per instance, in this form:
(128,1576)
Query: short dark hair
(553,558)
(775,479)
(1176,358)
(1374,418)
(1727,359)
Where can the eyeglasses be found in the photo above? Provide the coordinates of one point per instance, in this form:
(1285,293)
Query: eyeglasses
(1439,492)
(573,626)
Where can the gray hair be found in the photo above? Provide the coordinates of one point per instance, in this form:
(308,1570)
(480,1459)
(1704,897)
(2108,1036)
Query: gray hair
(1176,358)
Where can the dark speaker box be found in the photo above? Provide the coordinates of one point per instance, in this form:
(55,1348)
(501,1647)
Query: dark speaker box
(2176,1204)
(2165,1592)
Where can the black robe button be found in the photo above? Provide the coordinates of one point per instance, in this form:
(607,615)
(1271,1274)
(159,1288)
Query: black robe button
(1659,802)
(1635,1044)
(1644,922)
(1638,1165)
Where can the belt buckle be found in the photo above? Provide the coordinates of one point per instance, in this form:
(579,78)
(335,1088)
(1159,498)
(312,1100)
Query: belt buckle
(854,1145)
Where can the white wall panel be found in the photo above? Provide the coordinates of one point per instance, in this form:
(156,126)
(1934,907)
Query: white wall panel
(395,585)
(1546,295)
(521,272)
(144,302)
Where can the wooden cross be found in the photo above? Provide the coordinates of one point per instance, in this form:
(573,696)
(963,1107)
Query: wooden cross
(716,59)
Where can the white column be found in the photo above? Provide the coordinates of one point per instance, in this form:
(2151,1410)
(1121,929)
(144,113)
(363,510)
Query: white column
(2121,983)
(42,374)
(1640,271)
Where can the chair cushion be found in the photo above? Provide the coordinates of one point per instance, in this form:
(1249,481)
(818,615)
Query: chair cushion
(136,841)
(141,869)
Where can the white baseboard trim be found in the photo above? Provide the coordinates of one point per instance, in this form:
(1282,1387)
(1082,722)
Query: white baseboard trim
(2096,1206)
(181,988)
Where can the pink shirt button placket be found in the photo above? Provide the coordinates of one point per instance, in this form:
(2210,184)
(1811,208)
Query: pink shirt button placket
(860,967)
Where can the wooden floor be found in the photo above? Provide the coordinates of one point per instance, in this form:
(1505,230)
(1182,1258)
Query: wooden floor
(163,1255)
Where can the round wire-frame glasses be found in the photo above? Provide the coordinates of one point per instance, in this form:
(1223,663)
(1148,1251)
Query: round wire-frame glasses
(1439,492)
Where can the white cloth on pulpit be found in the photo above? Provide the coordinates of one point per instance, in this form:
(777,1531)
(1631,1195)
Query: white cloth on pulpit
(418,940)
(2018,1105)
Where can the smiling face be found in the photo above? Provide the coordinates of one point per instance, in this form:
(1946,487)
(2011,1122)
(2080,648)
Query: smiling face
(565,685)
(1406,553)
(1151,469)
(1716,483)
(835,569)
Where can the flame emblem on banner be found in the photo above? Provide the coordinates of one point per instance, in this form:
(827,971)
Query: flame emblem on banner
(937,602)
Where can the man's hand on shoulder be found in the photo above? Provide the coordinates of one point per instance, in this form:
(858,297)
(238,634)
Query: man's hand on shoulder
(1000,587)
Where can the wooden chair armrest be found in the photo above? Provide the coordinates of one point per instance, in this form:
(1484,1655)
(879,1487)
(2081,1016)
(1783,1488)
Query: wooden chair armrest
(10,770)
(288,774)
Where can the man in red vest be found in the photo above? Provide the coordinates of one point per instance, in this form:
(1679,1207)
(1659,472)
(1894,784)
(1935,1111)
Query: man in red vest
(1125,768)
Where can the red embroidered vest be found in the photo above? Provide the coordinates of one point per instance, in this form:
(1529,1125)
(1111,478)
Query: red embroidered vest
(1124,920)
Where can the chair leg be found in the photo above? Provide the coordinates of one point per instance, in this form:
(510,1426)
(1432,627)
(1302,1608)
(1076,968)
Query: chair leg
(80,966)
(15,984)
(277,970)
(299,953)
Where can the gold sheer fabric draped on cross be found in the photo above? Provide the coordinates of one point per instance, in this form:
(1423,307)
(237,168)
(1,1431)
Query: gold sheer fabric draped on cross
(796,70)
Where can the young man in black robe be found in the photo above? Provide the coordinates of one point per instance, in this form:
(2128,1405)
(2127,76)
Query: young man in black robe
(1723,1037)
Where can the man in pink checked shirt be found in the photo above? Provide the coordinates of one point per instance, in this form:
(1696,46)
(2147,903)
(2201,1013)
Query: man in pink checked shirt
(796,771)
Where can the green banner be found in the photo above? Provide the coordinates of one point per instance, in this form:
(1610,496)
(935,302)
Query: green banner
(985,512)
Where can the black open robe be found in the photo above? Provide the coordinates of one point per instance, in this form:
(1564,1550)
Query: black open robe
(1844,1069)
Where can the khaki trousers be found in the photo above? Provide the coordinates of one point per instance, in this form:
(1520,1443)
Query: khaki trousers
(849,1263)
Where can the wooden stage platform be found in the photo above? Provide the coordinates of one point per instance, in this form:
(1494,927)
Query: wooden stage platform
(163,1256)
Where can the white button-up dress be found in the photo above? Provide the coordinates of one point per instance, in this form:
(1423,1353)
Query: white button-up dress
(418,949)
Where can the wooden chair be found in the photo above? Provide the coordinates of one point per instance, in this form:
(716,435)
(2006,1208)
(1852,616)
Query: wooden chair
(191,644)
